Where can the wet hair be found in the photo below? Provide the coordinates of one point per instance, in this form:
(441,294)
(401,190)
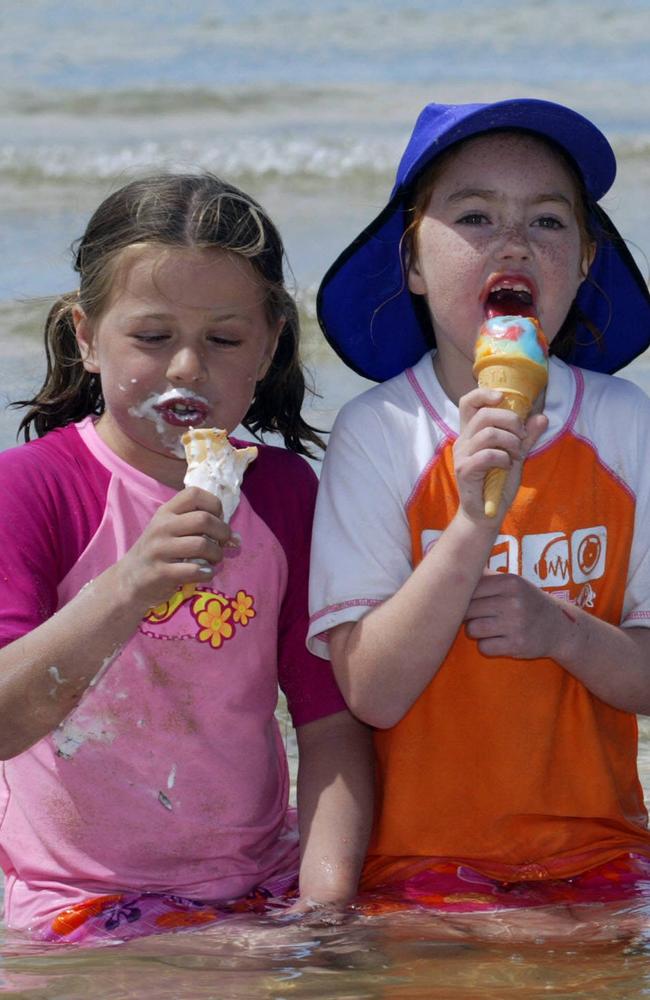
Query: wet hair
(194,211)
(587,216)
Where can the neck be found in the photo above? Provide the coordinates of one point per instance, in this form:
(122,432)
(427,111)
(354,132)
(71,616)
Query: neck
(455,380)
(158,465)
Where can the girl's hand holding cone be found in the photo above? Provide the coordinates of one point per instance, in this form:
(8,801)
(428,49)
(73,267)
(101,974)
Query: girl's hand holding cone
(511,356)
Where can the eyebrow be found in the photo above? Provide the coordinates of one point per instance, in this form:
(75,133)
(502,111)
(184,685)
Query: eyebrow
(488,194)
(215,316)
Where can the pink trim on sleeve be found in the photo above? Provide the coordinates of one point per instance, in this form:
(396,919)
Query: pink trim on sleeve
(334,608)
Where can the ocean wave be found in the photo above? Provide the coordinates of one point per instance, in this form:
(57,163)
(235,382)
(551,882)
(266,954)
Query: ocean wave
(265,157)
(258,156)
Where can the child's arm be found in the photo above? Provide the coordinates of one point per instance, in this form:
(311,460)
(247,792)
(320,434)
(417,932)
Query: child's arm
(509,616)
(44,673)
(335,807)
(384,661)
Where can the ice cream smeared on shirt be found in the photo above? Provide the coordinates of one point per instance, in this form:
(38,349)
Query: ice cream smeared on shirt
(214,465)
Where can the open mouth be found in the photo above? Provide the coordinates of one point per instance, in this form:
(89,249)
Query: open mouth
(182,412)
(509,297)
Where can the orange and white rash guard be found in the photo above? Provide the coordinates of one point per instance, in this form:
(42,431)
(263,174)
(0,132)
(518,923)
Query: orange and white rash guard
(510,765)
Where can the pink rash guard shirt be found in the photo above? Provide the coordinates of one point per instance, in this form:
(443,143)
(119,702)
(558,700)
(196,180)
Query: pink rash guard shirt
(170,774)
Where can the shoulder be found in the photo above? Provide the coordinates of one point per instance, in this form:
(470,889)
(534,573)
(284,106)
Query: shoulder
(58,489)
(613,401)
(59,457)
(378,397)
(281,488)
(276,468)
(55,457)
(380,412)
(614,416)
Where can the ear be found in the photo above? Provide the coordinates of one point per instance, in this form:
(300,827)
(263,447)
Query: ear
(416,282)
(587,259)
(85,339)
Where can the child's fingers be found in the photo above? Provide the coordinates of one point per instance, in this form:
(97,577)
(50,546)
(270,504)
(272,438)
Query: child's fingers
(535,427)
(510,616)
(194,498)
(480,408)
(492,438)
(476,400)
(192,547)
(489,417)
(487,446)
(183,543)
(200,522)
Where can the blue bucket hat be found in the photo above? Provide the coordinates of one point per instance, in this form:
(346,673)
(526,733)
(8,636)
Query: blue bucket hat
(364,305)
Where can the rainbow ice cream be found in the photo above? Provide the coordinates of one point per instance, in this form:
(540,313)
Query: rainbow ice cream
(511,355)
(215,466)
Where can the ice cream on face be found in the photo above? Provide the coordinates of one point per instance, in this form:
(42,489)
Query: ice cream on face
(170,411)
(511,355)
(214,465)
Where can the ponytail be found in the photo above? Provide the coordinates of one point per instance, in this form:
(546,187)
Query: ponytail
(69,392)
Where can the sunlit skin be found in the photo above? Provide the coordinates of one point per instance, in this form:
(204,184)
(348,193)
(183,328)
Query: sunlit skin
(193,321)
(502,209)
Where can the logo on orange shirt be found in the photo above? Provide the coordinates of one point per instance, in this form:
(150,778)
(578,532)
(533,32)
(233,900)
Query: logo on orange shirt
(553,560)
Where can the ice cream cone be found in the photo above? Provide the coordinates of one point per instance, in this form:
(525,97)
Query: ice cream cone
(512,373)
(214,465)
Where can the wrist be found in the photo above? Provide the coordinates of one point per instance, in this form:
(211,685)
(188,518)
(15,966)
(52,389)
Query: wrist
(479,530)
(121,590)
(568,637)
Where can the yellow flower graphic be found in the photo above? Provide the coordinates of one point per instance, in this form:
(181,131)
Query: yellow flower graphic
(165,610)
(214,623)
(242,605)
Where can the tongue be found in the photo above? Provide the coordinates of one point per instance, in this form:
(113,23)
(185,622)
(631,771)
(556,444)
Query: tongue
(508,303)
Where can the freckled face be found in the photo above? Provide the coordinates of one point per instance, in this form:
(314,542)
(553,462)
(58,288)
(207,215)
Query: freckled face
(183,341)
(503,210)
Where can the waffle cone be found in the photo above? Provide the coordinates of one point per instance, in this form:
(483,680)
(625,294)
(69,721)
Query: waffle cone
(521,382)
(201,443)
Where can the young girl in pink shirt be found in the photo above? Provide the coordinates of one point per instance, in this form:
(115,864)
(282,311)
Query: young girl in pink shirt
(144,784)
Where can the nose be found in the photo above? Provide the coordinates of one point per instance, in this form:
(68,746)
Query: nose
(513,243)
(186,366)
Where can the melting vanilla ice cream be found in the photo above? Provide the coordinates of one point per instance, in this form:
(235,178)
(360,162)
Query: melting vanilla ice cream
(214,465)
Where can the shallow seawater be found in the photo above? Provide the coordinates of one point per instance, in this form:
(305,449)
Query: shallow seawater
(588,952)
(381,957)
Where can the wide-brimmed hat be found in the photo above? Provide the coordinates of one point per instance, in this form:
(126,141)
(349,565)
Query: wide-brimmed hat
(370,317)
